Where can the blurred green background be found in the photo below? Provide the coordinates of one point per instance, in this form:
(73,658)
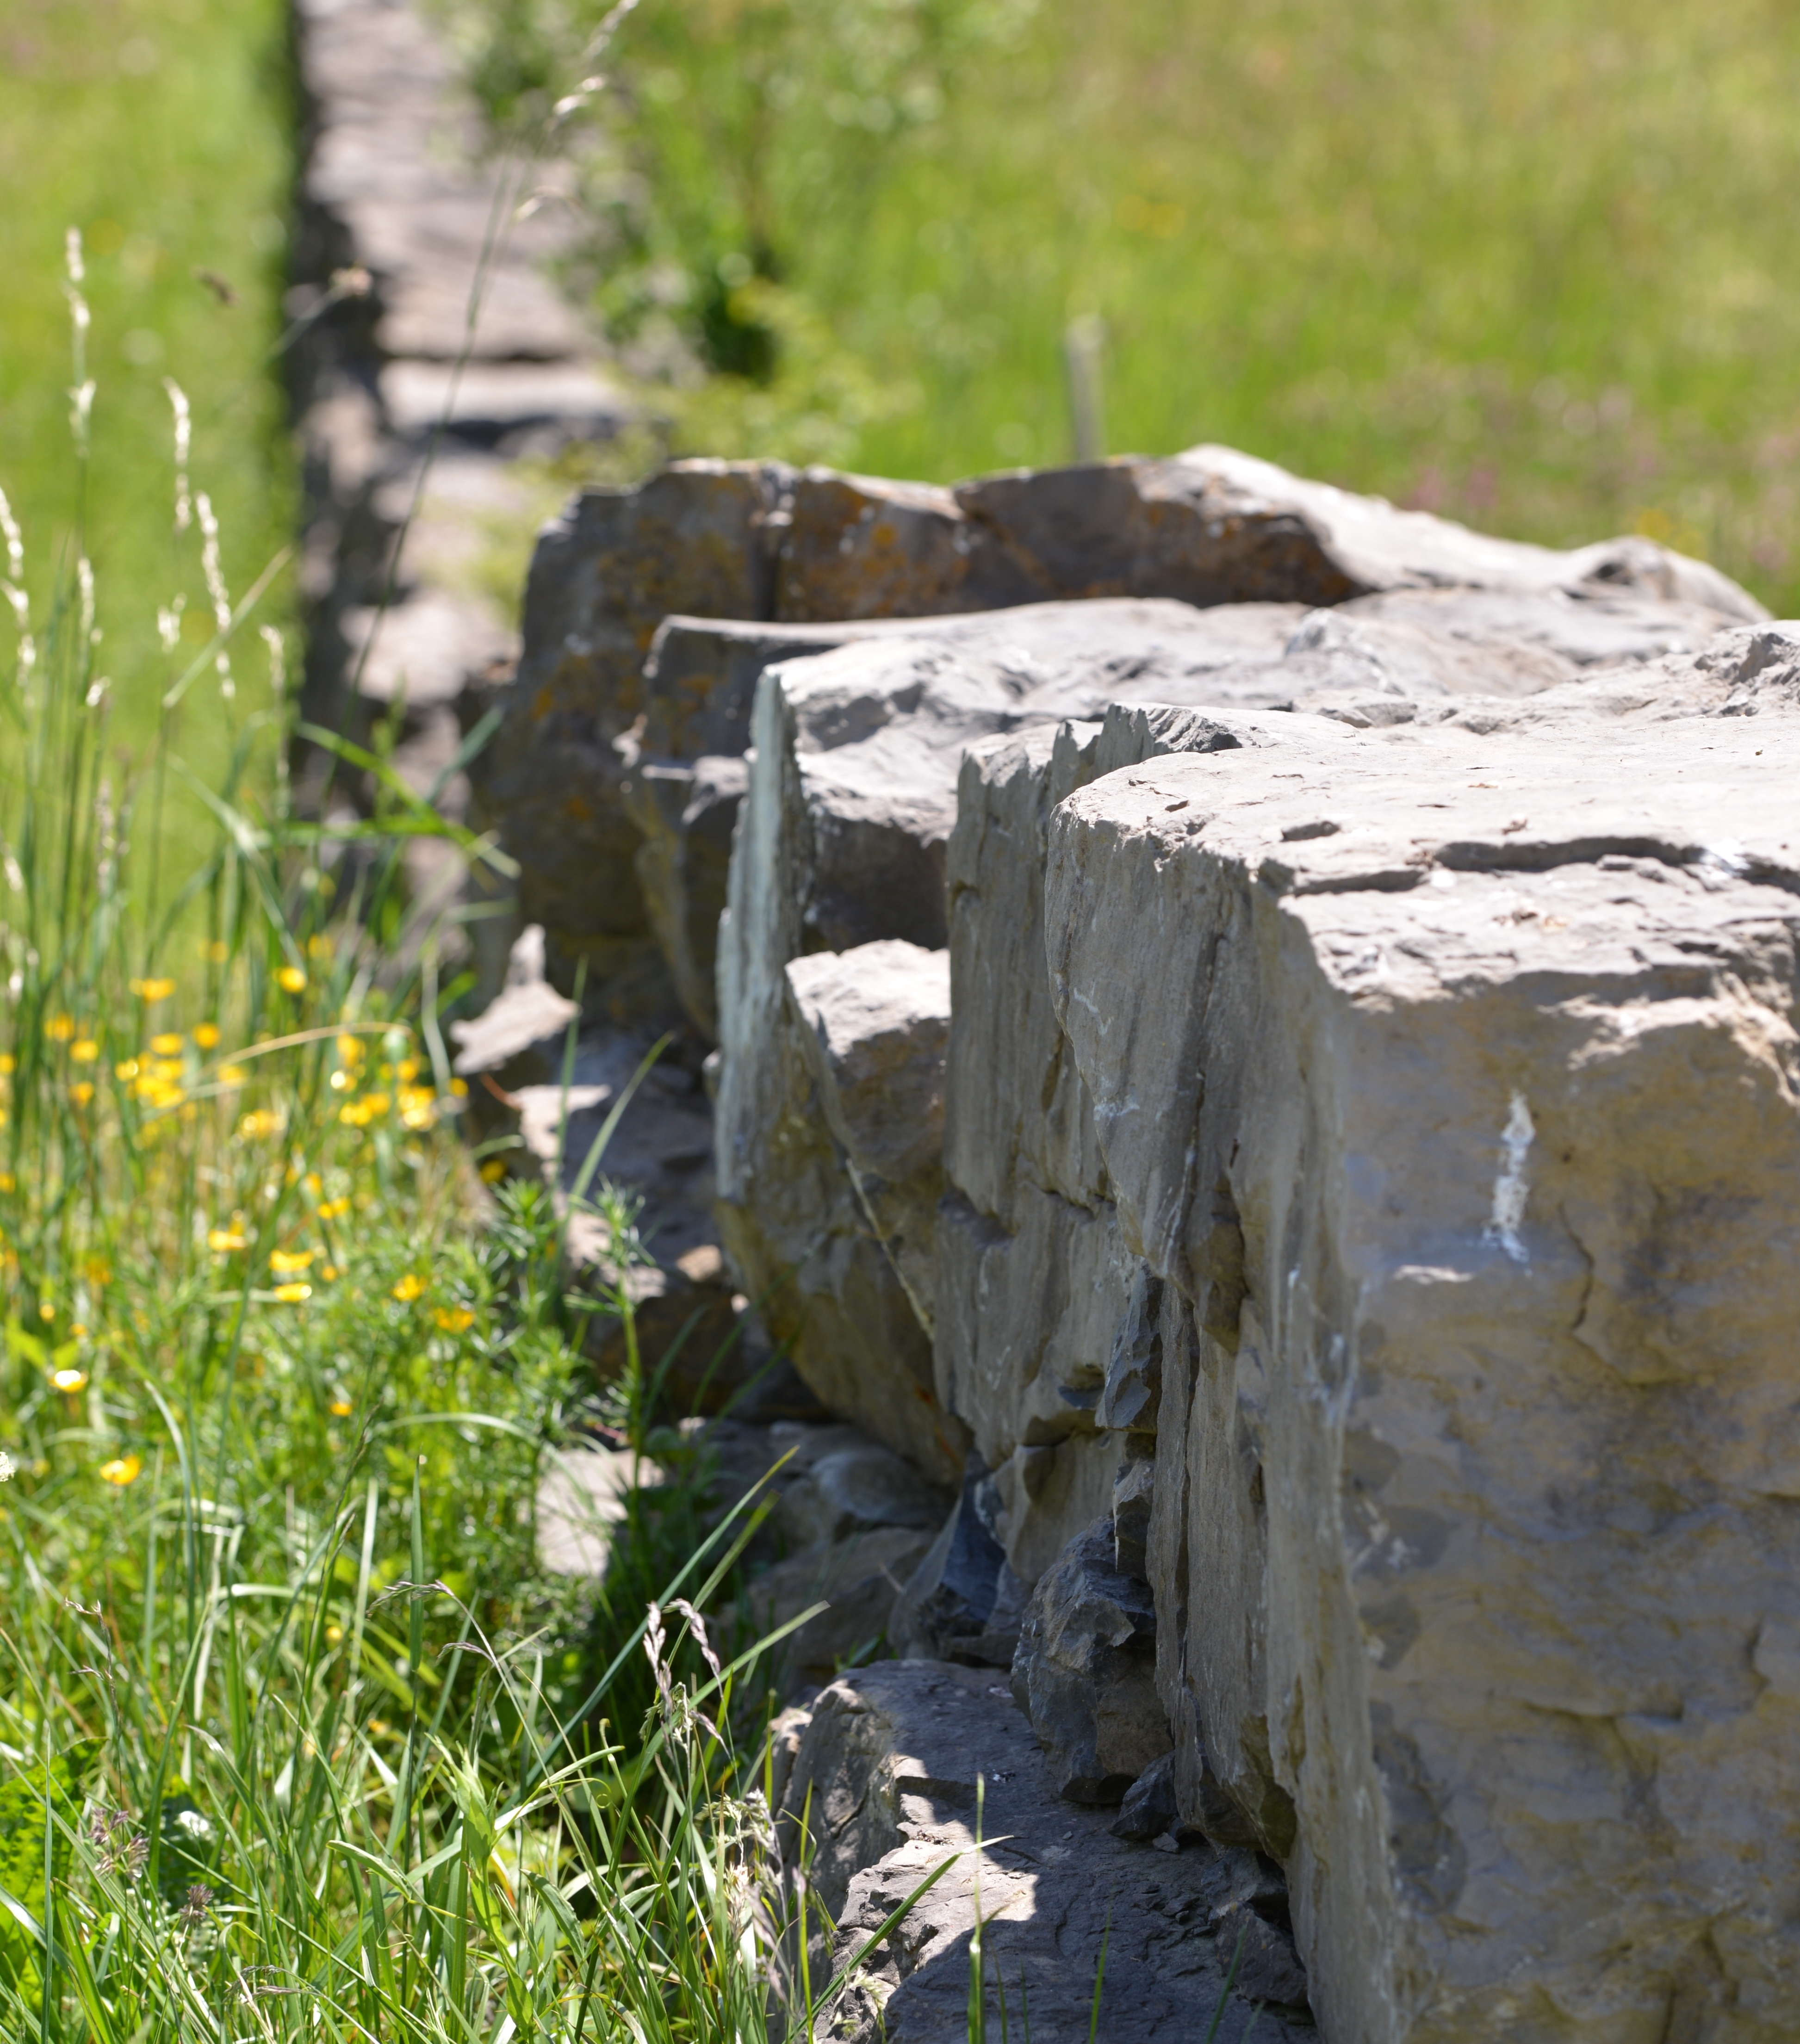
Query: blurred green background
(1532,265)
(1528,262)
(163,130)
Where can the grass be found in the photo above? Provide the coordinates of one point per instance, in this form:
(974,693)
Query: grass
(294,1738)
(1531,264)
(163,129)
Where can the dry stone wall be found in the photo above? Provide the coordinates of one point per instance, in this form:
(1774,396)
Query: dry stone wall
(1257,1051)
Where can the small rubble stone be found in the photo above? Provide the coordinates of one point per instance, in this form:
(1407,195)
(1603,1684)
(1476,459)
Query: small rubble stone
(1085,1672)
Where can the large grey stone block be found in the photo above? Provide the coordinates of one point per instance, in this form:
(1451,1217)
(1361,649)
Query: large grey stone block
(1469,1179)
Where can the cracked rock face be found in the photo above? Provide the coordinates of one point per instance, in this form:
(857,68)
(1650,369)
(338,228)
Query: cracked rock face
(1470,1190)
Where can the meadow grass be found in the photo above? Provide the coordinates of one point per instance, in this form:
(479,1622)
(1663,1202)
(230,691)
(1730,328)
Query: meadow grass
(1532,265)
(164,129)
(296,1739)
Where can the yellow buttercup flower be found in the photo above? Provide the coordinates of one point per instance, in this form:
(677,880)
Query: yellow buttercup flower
(167,1045)
(121,1471)
(319,947)
(352,1050)
(291,979)
(61,1028)
(97,1270)
(8,1064)
(454,1320)
(206,1035)
(233,1075)
(409,1288)
(341,1409)
(221,1241)
(284,1262)
(86,1052)
(332,1209)
(292,1295)
(127,1069)
(152,989)
(70,1380)
(264,1121)
(82,1094)
(493,1171)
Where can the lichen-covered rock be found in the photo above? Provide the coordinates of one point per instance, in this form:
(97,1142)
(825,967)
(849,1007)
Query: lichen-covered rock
(1470,1186)
(696,538)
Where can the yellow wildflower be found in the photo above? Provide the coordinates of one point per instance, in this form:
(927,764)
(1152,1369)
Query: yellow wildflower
(97,1270)
(127,1069)
(81,1094)
(418,1106)
(454,1320)
(70,1381)
(409,1288)
(407,1071)
(284,1262)
(222,1241)
(206,1035)
(121,1471)
(264,1121)
(329,1272)
(352,1050)
(493,1171)
(291,979)
(292,1295)
(459,1088)
(8,1182)
(47,1312)
(167,1045)
(232,1075)
(8,1064)
(152,989)
(319,946)
(61,1028)
(332,1209)
(342,1081)
(86,1052)
(341,1409)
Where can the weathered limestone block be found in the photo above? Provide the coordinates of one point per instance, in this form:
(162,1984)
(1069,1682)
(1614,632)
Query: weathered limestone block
(840,842)
(1370,543)
(890,1758)
(874,1022)
(696,538)
(1036,1281)
(1469,1185)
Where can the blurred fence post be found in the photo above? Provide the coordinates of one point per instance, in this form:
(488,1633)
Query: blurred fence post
(1083,345)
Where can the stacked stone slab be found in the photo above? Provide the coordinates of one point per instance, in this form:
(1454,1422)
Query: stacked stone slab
(591,789)
(1279,1085)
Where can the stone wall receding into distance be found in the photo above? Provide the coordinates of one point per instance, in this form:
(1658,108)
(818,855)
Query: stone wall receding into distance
(1256,1047)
